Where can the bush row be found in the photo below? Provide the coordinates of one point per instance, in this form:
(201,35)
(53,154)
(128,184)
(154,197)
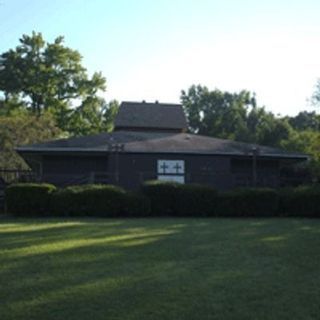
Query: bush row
(27,199)
(160,199)
(176,199)
(24,199)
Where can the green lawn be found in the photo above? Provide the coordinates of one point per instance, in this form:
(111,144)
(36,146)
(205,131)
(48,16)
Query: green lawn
(159,269)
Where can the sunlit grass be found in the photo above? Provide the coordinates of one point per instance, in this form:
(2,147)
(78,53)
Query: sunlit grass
(122,240)
(274,238)
(25,227)
(159,269)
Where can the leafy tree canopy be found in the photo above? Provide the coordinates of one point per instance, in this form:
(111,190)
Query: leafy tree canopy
(46,75)
(21,129)
(308,142)
(42,77)
(305,120)
(233,116)
(237,116)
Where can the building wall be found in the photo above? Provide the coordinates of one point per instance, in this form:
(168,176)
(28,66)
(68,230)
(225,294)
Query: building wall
(222,172)
(136,168)
(130,170)
(75,169)
(267,172)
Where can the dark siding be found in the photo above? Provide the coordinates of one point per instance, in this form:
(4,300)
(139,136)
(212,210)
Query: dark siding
(221,172)
(212,170)
(267,172)
(74,164)
(63,170)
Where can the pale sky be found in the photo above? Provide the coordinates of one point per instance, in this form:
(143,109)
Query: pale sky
(152,49)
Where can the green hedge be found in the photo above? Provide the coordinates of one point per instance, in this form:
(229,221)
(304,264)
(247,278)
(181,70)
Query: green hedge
(300,202)
(136,205)
(196,200)
(174,199)
(89,200)
(248,203)
(29,199)
(157,198)
(161,196)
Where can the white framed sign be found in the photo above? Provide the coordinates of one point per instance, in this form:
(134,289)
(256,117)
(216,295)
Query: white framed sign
(171,178)
(171,170)
(175,167)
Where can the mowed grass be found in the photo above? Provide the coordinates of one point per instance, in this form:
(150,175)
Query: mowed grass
(159,269)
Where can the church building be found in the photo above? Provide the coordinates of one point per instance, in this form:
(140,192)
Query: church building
(150,141)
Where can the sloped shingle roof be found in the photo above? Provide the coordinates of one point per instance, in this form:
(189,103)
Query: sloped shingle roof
(156,142)
(150,115)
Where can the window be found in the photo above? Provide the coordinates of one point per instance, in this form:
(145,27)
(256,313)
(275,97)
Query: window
(171,170)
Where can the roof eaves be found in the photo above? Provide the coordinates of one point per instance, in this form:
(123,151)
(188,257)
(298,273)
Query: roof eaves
(29,149)
(99,150)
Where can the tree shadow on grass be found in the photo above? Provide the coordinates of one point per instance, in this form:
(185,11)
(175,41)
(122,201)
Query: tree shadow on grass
(162,269)
(45,231)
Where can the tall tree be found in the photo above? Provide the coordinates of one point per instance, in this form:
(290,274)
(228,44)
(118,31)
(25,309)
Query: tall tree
(47,76)
(93,116)
(305,120)
(316,94)
(20,129)
(233,116)
(306,141)
(216,113)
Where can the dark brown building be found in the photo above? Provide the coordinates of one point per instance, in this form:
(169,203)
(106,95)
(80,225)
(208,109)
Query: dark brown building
(150,142)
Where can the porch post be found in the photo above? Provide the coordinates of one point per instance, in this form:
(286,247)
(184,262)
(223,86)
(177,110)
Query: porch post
(115,149)
(254,166)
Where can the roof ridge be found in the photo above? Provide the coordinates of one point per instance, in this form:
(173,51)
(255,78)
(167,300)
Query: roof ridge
(157,103)
(156,142)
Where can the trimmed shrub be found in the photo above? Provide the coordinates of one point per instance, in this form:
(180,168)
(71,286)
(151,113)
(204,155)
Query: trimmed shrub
(195,200)
(136,205)
(174,199)
(161,195)
(300,202)
(89,200)
(159,198)
(29,199)
(248,203)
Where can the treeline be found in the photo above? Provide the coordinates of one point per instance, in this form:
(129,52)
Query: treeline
(46,93)
(237,116)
